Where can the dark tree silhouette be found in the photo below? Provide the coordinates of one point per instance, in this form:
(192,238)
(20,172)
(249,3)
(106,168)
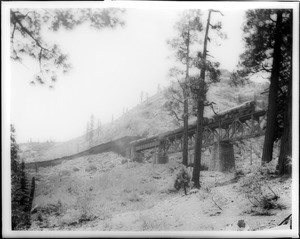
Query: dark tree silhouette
(20,218)
(268,38)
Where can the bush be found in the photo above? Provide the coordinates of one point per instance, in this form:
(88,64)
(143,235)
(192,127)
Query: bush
(259,193)
(134,197)
(91,168)
(268,169)
(64,173)
(51,209)
(43,216)
(84,206)
(75,169)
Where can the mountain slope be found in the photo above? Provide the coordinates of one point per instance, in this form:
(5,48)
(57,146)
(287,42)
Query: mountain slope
(149,118)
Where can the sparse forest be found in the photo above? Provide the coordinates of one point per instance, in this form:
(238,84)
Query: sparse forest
(212,151)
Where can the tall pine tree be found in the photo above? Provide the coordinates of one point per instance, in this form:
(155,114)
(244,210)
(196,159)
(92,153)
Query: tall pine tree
(268,38)
(187,28)
(209,72)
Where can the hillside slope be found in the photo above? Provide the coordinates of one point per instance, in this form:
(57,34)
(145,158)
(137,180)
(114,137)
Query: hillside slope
(149,118)
(96,193)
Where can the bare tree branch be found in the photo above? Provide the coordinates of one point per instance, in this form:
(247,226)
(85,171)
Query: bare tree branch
(47,12)
(212,198)
(209,55)
(40,59)
(257,200)
(172,95)
(27,31)
(27,13)
(13,33)
(176,115)
(211,104)
(180,84)
(273,191)
(216,11)
(251,201)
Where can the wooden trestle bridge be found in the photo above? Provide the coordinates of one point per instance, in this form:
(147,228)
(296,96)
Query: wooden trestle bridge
(238,123)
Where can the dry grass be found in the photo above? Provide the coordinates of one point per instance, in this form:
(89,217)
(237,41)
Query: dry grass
(135,196)
(99,186)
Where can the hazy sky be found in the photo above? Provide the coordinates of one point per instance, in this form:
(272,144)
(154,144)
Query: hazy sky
(110,69)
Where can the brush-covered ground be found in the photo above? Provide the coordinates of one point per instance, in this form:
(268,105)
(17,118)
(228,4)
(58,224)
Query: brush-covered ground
(107,192)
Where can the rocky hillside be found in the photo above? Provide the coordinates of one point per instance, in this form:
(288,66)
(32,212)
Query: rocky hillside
(148,118)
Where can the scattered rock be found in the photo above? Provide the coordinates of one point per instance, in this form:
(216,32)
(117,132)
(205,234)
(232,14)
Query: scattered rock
(240,225)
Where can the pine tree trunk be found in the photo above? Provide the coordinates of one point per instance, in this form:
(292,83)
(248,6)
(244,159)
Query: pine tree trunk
(273,93)
(198,144)
(185,135)
(286,139)
(186,107)
(201,95)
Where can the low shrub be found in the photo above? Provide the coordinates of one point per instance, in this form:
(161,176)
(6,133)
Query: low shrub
(84,206)
(134,197)
(46,216)
(64,173)
(91,168)
(259,193)
(150,224)
(52,209)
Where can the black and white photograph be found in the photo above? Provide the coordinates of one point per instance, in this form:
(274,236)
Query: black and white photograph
(150,119)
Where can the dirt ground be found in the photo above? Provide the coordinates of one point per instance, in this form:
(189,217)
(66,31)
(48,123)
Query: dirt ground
(106,192)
